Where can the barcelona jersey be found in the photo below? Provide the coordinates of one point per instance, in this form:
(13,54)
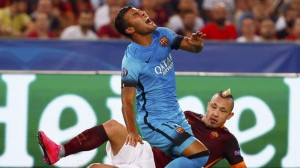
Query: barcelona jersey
(151,70)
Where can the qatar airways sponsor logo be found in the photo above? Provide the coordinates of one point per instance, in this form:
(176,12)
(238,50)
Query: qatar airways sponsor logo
(164,67)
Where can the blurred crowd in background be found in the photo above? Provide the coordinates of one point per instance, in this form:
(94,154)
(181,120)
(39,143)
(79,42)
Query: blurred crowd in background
(230,20)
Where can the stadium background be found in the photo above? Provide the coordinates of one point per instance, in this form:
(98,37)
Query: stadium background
(64,87)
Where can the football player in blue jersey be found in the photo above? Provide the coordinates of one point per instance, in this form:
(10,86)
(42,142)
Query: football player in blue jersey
(148,76)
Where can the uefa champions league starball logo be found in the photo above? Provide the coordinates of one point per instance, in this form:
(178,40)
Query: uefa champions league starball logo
(124,72)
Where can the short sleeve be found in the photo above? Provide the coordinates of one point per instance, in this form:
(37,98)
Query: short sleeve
(130,73)
(232,151)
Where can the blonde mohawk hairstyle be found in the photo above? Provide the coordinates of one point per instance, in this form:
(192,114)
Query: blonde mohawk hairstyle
(226,93)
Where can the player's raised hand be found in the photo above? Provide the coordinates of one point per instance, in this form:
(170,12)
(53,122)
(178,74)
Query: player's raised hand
(196,39)
(133,138)
(194,43)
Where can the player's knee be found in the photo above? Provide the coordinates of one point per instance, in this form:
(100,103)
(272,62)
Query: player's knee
(111,124)
(114,127)
(95,165)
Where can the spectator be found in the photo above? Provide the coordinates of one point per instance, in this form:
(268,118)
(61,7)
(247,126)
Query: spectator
(201,9)
(109,31)
(189,20)
(41,31)
(64,9)
(219,29)
(259,14)
(269,7)
(156,13)
(102,13)
(80,5)
(169,6)
(46,6)
(209,5)
(248,31)
(14,19)
(243,10)
(258,9)
(286,22)
(267,31)
(82,30)
(295,36)
(176,22)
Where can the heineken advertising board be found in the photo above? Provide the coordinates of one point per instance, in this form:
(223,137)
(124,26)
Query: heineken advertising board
(267,111)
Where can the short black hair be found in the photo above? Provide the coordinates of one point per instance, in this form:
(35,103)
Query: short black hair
(120,23)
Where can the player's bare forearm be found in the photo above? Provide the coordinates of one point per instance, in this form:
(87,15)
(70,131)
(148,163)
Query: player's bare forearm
(194,43)
(128,95)
(128,115)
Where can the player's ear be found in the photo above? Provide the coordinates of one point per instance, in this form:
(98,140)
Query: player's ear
(230,115)
(129,30)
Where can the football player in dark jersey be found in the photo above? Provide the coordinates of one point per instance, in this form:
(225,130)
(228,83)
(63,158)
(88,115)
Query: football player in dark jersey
(208,128)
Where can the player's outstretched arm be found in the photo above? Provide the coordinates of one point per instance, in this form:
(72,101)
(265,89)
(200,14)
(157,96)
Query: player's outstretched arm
(194,43)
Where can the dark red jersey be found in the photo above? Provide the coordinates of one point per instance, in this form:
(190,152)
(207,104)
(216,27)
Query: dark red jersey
(219,141)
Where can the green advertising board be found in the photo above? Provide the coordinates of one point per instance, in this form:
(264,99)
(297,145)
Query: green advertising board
(267,110)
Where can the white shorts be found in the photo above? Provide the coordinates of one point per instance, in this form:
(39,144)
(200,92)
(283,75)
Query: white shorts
(140,156)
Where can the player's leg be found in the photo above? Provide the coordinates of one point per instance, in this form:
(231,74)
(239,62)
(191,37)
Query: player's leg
(100,165)
(193,152)
(195,155)
(117,134)
(86,140)
(176,140)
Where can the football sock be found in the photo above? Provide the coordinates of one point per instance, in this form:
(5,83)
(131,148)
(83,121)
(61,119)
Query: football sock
(62,151)
(85,141)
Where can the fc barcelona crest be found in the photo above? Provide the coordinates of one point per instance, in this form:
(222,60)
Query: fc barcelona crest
(164,41)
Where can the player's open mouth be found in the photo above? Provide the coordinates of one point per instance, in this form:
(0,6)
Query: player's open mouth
(148,21)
